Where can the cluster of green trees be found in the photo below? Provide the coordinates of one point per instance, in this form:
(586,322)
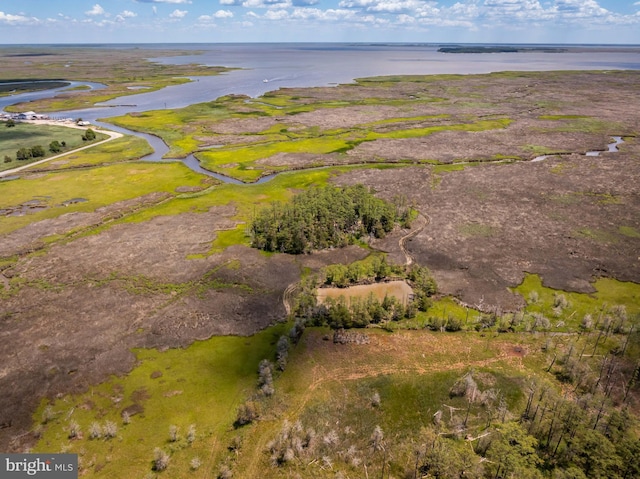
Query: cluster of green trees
(360,312)
(326,217)
(37,151)
(89,135)
(55,146)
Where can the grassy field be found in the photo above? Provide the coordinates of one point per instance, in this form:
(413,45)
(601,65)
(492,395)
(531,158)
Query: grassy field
(25,135)
(205,383)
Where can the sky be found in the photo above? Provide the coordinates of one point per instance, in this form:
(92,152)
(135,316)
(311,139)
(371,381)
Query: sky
(223,21)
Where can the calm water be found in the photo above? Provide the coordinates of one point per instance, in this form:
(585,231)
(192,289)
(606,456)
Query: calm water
(309,65)
(305,65)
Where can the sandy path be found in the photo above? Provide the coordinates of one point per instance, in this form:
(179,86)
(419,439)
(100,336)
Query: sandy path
(112,135)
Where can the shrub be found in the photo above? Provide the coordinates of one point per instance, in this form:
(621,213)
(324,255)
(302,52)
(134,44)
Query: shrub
(191,433)
(55,146)
(95,431)
(89,135)
(23,154)
(265,377)
(74,430)
(282,353)
(375,399)
(247,413)
(160,460)
(110,429)
(47,414)
(225,472)
(453,324)
(38,151)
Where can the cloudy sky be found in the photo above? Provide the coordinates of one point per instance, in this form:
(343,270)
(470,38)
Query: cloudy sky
(152,21)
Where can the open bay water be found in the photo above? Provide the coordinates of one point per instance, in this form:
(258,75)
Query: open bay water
(324,64)
(285,65)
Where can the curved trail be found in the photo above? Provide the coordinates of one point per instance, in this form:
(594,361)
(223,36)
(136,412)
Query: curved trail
(423,220)
(112,136)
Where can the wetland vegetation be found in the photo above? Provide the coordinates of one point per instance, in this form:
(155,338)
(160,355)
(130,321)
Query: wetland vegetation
(151,339)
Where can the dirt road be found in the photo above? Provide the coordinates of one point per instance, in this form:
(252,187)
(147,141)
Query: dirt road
(112,135)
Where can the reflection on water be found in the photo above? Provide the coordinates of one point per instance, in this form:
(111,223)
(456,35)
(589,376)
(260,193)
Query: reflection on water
(308,65)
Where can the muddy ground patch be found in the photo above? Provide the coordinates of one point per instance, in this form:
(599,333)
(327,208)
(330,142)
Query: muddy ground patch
(564,218)
(77,308)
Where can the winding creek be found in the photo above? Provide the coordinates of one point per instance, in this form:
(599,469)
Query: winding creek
(611,148)
(312,65)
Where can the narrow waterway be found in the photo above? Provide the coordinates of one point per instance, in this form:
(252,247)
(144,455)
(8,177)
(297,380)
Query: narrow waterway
(611,148)
(311,65)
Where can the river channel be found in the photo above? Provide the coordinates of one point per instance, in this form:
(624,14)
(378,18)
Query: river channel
(266,67)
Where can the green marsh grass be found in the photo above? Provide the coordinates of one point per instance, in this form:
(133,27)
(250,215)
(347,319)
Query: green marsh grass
(99,186)
(609,293)
(629,231)
(122,149)
(200,385)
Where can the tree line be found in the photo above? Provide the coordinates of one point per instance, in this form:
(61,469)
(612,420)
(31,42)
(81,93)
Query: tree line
(38,151)
(360,312)
(326,217)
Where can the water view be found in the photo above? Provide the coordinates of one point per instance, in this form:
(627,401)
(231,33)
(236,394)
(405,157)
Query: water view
(266,67)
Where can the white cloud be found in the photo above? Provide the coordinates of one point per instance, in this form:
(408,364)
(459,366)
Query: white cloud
(124,15)
(10,19)
(178,13)
(96,10)
(223,14)
(305,14)
(276,14)
(174,2)
(220,14)
(230,2)
(273,4)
